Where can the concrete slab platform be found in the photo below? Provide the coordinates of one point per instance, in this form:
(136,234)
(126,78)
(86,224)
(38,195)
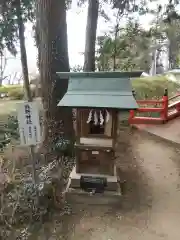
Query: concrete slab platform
(78,196)
(111,195)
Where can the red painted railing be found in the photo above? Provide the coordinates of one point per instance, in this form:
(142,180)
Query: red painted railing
(166,109)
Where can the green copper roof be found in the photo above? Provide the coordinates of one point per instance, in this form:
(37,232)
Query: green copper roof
(99,89)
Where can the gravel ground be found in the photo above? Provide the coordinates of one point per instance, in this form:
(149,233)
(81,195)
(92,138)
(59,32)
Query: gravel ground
(149,210)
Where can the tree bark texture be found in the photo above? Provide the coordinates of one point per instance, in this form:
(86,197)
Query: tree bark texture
(91,28)
(53,57)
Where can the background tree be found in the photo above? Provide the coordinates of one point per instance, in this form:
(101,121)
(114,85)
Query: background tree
(165,28)
(91,28)
(14,14)
(133,48)
(9,22)
(172,31)
(95,7)
(136,48)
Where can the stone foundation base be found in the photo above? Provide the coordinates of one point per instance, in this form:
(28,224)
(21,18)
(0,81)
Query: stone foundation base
(75,194)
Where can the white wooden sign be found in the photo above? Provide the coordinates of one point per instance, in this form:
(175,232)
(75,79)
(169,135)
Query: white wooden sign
(29,126)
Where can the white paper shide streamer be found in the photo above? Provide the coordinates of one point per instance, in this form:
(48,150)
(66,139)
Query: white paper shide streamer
(97,116)
(107,116)
(101,119)
(90,116)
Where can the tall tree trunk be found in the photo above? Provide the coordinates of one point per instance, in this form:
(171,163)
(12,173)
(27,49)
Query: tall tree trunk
(23,51)
(115,46)
(53,57)
(92,20)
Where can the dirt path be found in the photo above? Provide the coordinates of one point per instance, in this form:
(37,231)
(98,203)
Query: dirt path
(151,208)
(161,163)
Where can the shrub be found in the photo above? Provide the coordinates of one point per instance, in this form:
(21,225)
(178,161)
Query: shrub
(16,93)
(5,91)
(153,87)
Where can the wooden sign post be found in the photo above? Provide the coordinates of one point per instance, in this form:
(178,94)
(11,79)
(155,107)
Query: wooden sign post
(29,130)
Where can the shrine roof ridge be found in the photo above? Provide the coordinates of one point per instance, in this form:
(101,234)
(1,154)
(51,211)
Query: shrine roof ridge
(99,93)
(112,75)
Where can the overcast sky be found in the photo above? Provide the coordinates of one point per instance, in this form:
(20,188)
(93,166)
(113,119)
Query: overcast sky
(76,21)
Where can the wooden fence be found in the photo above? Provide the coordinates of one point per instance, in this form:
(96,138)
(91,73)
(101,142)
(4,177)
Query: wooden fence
(156,111)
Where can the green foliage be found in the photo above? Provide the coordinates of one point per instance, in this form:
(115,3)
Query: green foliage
(132,47)
(77,68)
(130,50)
(16,94)
(8,131)
(6,89)
(62,146)
(9,22)
(12,127)
(4,140)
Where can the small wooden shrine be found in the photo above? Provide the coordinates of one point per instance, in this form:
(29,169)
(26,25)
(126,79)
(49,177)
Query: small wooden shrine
(96,99)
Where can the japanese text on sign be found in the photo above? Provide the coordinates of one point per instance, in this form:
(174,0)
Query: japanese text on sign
(29,126)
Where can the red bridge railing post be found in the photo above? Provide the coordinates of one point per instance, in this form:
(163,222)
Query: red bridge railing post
(178,107)
(164,114)
(178,104)
(131,114)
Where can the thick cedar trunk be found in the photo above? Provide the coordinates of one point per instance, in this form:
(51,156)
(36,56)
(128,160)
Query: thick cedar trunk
(23,51)
(92,20)
(53,57)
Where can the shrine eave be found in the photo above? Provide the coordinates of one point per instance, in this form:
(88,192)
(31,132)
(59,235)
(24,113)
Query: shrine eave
(98,101)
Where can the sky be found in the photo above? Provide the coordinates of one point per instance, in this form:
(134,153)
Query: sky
(76,22)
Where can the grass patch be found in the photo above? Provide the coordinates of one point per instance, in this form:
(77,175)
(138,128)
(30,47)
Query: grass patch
(9,107)
(6,89)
